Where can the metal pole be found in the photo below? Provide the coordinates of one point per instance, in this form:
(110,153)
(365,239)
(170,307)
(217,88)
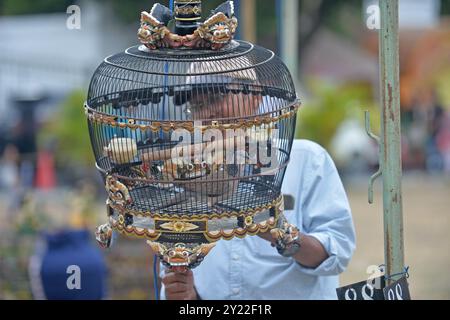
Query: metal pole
(248,19)
(238,12)
(391,139)
(287,15)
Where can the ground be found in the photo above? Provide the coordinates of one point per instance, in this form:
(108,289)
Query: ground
(426,207)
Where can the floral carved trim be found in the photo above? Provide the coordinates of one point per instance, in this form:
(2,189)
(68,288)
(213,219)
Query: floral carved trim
(217,31)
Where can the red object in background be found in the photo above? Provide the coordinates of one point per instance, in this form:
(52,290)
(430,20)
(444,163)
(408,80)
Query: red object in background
(45,171)
(443,136)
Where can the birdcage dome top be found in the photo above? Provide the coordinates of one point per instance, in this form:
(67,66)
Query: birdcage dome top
(139,76)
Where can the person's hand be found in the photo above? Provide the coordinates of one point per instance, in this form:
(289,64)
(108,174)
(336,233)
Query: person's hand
(284,235)
(268,236)
(179,286)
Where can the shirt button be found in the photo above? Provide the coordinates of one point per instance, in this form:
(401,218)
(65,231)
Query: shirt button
(235,257)
(236,291)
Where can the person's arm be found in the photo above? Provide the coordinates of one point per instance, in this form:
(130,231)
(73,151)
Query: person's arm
(327,237)
(311,253)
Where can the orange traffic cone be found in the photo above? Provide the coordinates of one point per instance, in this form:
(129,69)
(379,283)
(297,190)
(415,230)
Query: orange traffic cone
(45,171)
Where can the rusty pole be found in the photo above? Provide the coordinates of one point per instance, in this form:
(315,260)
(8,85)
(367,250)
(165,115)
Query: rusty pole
(248,12)
(391,165)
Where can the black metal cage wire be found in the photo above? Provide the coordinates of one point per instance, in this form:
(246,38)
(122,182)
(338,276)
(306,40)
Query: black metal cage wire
(139,97)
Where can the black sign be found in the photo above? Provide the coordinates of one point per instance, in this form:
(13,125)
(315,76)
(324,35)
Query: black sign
(365,290)
(399,290)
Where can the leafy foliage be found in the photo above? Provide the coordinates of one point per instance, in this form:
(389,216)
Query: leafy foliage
(320,118)
(69,128)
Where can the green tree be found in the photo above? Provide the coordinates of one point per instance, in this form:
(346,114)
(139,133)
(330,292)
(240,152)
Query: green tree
(69,128)
(331,105)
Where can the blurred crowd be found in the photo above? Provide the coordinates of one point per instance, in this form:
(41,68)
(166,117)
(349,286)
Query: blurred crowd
(426,137)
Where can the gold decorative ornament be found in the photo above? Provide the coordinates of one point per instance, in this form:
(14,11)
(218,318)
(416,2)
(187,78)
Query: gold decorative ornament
(250,122)
(119,195)
(179,226)
(188,10)
(103,235)
(185,225)
(181,256)
(217,31)
(248,221)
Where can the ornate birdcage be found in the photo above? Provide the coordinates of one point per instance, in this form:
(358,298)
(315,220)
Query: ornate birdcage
(192,133)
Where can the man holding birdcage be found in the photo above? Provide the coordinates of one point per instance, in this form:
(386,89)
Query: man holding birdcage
(184,200)
(306,264)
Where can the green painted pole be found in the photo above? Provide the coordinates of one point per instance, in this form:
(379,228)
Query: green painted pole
(391,139)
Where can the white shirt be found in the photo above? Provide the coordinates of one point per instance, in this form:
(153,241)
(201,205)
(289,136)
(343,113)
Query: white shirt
(251,269)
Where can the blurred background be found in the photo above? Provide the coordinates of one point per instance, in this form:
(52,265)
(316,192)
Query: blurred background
(50,192)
